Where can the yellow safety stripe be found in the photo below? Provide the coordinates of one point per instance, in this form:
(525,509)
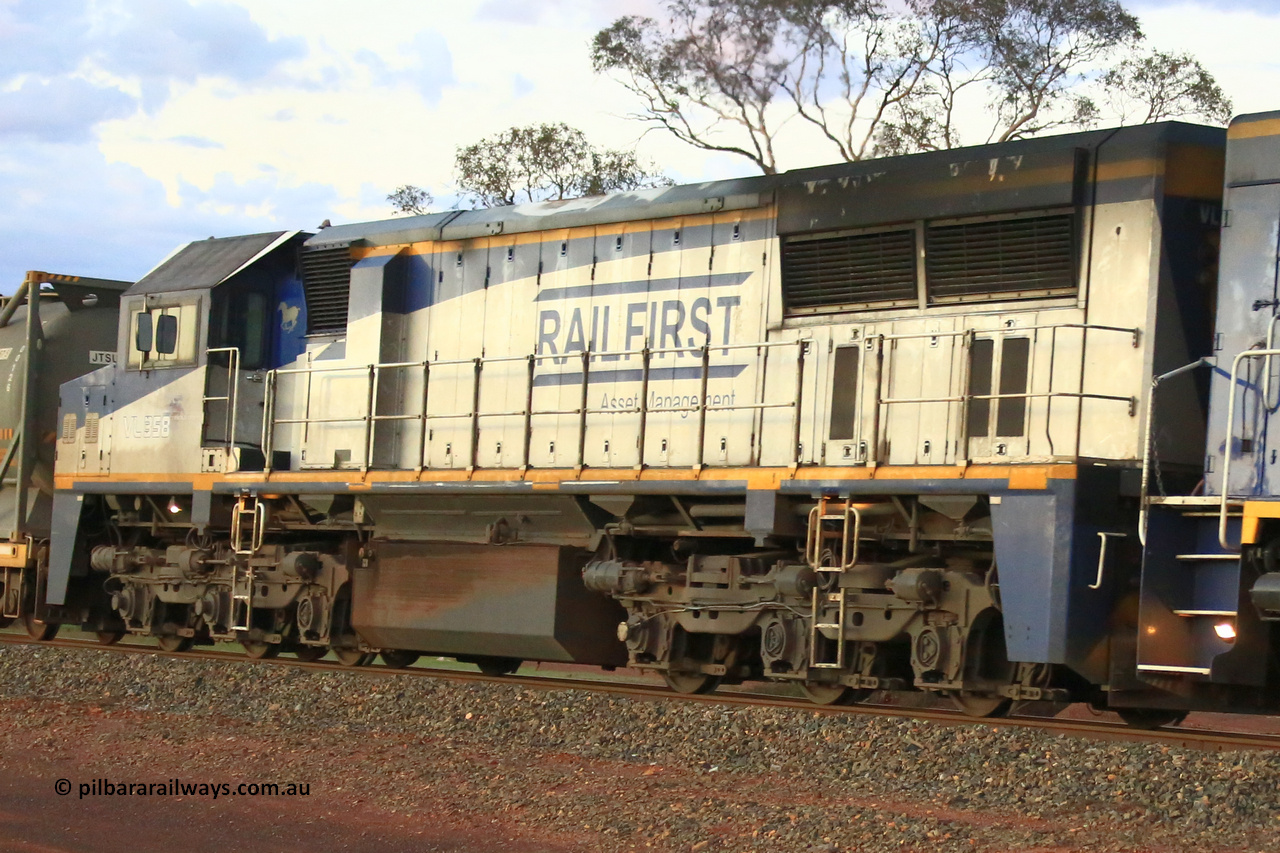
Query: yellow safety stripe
(1030,477)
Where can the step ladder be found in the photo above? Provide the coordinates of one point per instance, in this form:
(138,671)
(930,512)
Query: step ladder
(841,526)
(1191,585)
(248,527)
(1196,612)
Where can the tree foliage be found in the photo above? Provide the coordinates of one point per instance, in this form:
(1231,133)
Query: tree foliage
(409,199)
(876,77)
(536,163)
(1159,86)
(712,64)
(547,161)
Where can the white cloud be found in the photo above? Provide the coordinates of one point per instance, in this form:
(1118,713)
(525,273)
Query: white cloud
(256,115)
(68,210)
(1236,42)
(423,65)
(176,40)
(411,89)
(43,37)
(196,142)
(64,109)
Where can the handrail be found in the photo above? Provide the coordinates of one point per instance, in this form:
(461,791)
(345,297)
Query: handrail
(1027,395)
(373,372)
(1271,343)
(964,399)
(370,408)
(1013,330)
(230,398)
(578,368)
(1147,431)
(1231,417)
(1102,556)
(268,412)
(359,419)
(849,536)
(612,355)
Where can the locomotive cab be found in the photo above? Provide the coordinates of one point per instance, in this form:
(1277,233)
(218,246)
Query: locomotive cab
(196,336)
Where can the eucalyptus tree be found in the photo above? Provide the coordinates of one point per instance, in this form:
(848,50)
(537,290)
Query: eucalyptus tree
(872,77)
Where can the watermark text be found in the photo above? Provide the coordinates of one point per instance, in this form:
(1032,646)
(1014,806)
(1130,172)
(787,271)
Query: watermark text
(180,788)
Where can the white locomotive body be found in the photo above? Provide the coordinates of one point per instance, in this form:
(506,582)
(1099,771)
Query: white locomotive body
(861,427)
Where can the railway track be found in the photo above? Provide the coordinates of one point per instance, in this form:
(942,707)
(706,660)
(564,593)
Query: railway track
(1179,736)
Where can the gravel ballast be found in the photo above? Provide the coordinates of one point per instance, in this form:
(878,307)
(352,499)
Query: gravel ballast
(571,770)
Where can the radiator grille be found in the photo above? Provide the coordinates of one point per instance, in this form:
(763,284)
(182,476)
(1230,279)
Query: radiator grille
(326,280)
(831,273)
(91,428)
(1007,258)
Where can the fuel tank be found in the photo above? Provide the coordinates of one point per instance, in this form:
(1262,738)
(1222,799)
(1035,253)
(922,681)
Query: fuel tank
(512,601)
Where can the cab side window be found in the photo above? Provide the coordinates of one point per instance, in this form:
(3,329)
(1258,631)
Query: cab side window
(143,333)
(240,319)
(163,336)
(166,334)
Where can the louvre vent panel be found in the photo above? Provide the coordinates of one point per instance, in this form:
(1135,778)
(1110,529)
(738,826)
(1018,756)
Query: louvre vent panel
(69,428)
(853,269)
(326,279)
(91,428)
(1004,258)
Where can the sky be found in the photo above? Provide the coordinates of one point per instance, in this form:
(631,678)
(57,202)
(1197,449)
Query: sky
(129,127)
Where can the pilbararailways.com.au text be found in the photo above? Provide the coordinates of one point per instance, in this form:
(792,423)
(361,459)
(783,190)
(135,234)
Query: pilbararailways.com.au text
(179,788)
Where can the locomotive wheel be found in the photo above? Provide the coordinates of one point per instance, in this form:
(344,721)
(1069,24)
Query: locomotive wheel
(353,657)
(39,631)
(497,666)
(174,643)
(309,653)
(110,638)
(987,668)
(399,658)
(980,705)
(691,682)
(1149,719)
(260,651)
(820,693)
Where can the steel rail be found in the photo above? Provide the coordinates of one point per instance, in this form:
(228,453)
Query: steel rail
(1189,738)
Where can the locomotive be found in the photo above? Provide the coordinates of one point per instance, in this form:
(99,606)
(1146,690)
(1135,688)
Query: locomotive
(988,424)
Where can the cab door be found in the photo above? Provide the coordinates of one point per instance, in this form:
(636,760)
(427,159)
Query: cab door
(235,395)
